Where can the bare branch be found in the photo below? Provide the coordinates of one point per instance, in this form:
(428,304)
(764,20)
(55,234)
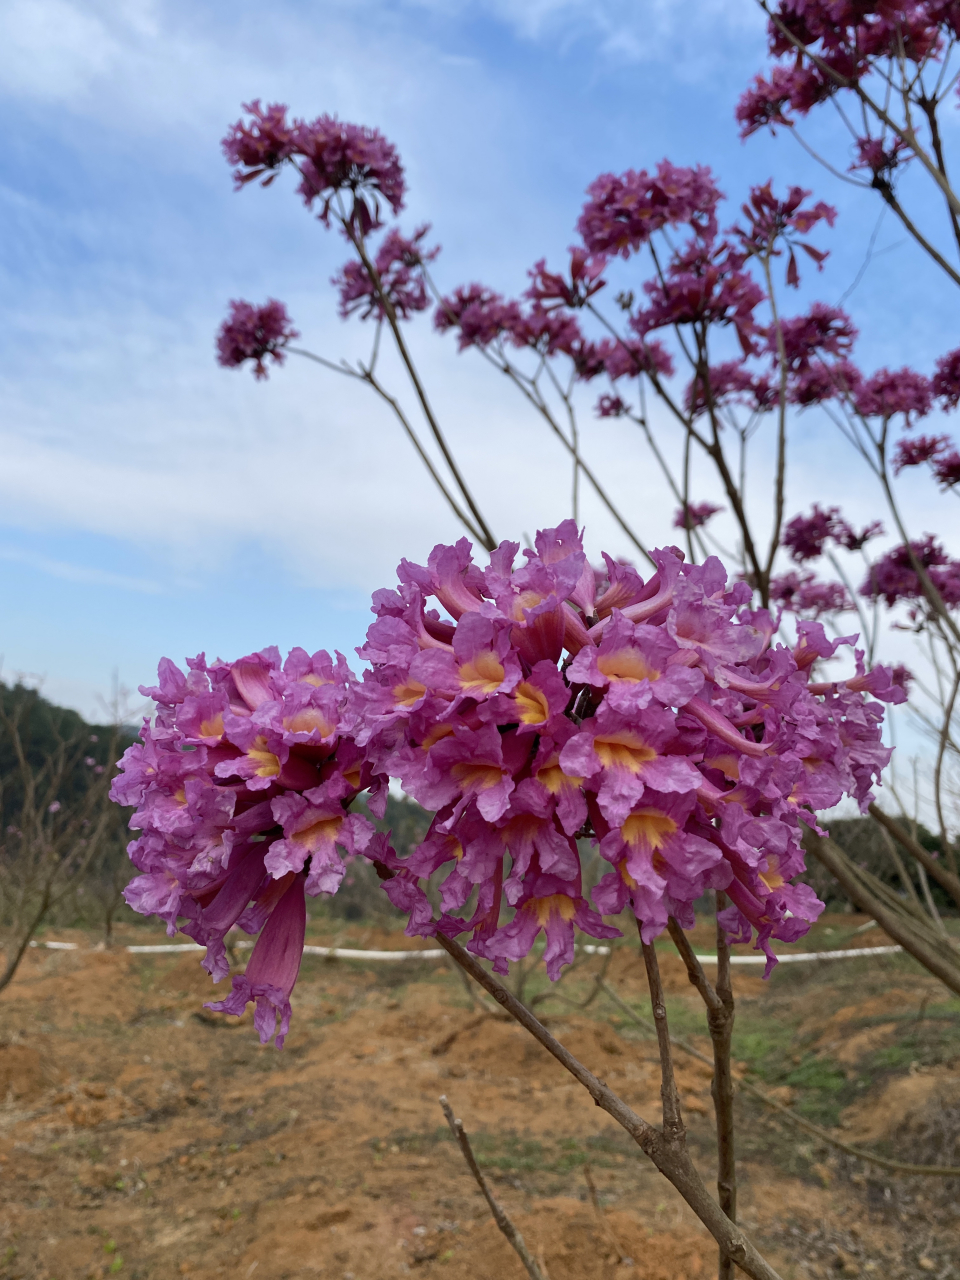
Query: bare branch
(669,1096)
(622,1257)
(500,1215)
(895,1166)
(672,1159)
(916,850)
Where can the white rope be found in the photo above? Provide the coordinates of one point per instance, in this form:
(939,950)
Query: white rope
(792,957)
(348,953)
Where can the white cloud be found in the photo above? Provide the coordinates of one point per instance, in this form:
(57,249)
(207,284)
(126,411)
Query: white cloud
(628,30)
(54,50)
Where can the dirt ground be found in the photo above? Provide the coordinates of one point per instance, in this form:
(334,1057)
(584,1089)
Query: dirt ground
(141,1136)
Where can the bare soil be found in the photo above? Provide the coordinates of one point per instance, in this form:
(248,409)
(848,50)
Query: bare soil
(143,1137)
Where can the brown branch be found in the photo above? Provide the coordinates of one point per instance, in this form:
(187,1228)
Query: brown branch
(946,879)
(929,108)
(895,1166)
(543,409)
(671,1159)
(779,487)
(669,1096)
(721,1034)
(622,1257)
(695,971)
(905,878)
(500,1216)
(894,917)
(367,375)
(714,450)
(720,1016)
(887,195)
(905,133)
(488,540)
(946,848)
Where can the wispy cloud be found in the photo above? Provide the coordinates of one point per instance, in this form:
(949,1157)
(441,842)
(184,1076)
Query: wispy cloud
(78,572)
(124,242)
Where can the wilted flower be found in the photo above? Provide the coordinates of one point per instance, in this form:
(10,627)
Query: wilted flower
(610,407)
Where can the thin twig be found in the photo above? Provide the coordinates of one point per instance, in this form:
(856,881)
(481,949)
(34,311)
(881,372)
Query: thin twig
(720,1015)
(356,239)
(915,935)
(367,375)
(669,1095)
(916,850)
(672,1159)
(721,1034)
(602,1217)
(500,1215)
(905,878)
(895,1166)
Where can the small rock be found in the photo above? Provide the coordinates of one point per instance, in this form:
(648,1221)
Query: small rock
(926,1264)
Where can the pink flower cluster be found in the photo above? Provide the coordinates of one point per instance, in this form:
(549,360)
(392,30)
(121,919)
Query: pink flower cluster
(398,262)
(939,451)
(254,333)
(482,318)
(844,41)
(624,211)
(772,222)
(241,787)
(894,576)
(330,155)
(808,596)
(806,537)
(542,708)
(696,514)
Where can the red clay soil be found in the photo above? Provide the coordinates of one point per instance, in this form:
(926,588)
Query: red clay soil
(142,1137)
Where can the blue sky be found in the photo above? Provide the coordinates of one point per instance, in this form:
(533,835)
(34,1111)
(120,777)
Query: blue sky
(152,503)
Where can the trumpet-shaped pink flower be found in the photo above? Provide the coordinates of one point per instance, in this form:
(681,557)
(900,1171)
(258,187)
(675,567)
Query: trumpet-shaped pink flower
(274,964)
(242,783)
(541,704)
(551,906)
(638,665)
